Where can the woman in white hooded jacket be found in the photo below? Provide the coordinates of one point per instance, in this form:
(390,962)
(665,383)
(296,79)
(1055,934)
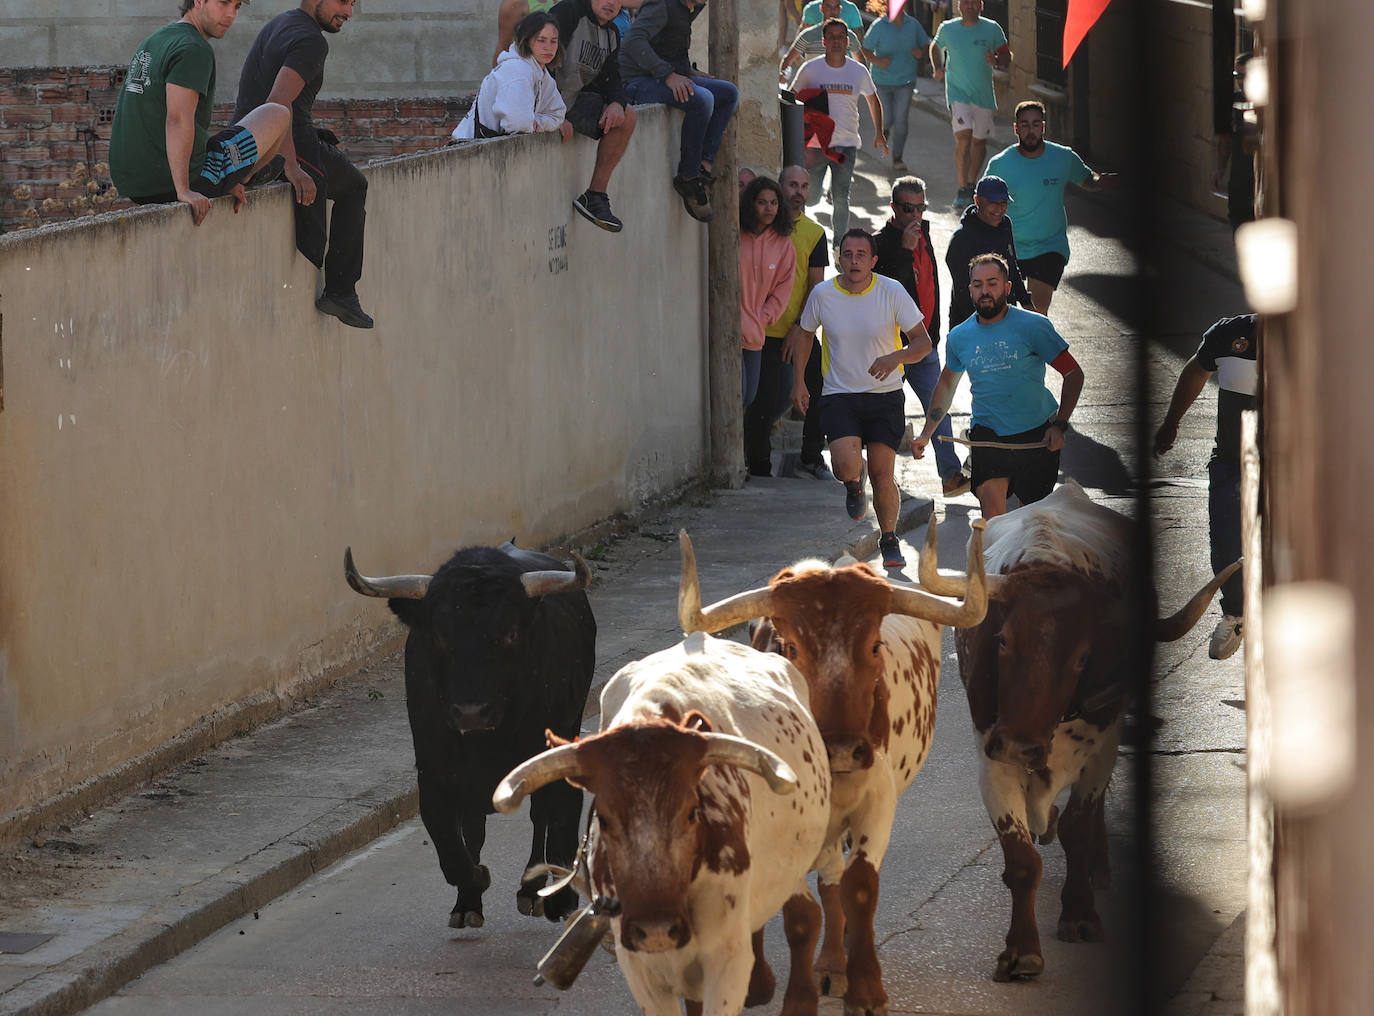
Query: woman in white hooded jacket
(519,95)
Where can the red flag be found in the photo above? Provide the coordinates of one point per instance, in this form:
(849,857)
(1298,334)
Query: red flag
(1083,14)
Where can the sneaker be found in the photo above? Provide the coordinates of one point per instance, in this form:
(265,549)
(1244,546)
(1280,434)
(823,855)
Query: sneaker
(891,549)
(855,500)
(695,197)
(1226,638)
(817,469)
(899,165)
(956,484)
(963,198)
(595,207)
(345,307)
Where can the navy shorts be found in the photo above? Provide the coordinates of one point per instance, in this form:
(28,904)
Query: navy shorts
(1047,268)
(869,416)
(1030,474)
(585,115)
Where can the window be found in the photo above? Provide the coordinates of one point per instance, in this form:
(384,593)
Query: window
(1049,41)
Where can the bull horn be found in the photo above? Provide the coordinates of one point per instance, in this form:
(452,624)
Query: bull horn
(717,617)
(726,749)
(1170,629)
(555,764)
(401,587)
(947,585)
(919,603)
(546,583)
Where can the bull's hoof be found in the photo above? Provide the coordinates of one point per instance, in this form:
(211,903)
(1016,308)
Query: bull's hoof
(832,983)
(1080,929)
(1014,967)
(530,906)
(762,985)
(465,919)
(880,1009)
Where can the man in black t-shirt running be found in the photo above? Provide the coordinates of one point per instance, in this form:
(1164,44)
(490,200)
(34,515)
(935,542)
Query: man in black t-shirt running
(286,66)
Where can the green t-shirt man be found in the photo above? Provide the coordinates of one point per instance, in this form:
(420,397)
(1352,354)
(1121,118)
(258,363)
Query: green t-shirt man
(175,54)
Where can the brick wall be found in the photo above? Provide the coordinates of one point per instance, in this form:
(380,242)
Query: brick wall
(55,134)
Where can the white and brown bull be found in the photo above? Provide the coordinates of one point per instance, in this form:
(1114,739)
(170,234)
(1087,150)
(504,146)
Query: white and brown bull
(870,653)
(712,799)
(1048,676)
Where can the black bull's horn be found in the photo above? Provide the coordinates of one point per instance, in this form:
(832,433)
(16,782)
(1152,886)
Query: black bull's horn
(414,587)
(562,763)
(1167,629)
(908,600)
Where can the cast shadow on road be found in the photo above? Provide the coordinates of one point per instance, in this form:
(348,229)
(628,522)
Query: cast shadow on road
(1094,464)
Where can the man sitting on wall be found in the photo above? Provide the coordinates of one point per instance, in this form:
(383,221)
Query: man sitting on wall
(286,66)
(160,145)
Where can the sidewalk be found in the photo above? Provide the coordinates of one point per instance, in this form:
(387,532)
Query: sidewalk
(97,904)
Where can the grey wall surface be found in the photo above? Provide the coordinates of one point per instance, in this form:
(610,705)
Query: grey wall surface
(187,445)
(391,48)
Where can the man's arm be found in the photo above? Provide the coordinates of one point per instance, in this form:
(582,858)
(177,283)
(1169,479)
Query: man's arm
(796,350)
(1068,399)
(876,109)
(285,89)
(940,400)
(1101,181)
(918,347)
(180,138)
(1190,384)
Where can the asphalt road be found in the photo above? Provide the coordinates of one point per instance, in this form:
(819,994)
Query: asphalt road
(369,934)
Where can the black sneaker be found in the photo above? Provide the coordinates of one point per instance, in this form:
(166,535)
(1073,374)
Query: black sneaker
(595,207)
(695,197)
(855,500)
(891,549)
(345,307)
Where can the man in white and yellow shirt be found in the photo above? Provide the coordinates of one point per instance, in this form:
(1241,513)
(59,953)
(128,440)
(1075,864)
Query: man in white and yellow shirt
(862,403)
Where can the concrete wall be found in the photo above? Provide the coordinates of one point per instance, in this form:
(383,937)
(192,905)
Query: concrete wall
(390,48)
(187,445)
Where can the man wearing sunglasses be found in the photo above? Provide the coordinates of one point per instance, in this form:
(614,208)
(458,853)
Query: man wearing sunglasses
(905,254)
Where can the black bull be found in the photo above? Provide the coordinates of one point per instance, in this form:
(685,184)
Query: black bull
(502,646)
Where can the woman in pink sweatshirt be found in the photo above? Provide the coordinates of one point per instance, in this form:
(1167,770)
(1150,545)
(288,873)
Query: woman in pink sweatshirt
(767,265)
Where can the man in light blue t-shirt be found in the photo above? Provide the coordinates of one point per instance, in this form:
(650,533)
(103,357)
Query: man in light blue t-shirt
(894,47)
(1004,350)
(1036,172)
(964,56)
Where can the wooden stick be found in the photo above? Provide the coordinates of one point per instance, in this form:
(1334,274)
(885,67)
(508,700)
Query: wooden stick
(993,444)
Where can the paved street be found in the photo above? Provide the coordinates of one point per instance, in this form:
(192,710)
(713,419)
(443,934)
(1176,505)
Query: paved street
(368,934)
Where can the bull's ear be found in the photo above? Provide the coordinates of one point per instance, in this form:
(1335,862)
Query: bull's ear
(413,613)
(695,721)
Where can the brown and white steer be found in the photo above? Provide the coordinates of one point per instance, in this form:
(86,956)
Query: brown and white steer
(1048,678)
(870,653)
(711,803)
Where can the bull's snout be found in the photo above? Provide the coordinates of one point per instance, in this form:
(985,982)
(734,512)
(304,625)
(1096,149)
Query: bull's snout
(466,716)
(655,936)
(849,754)
(1028,755)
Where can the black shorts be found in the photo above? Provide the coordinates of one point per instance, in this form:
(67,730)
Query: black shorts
(585,115)
(229,160)
(1030,474)
(1047,268)
(869,416)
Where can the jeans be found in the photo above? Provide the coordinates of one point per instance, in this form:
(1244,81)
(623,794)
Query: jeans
(760,413)
(922,377)
(1223,517)
(841,175)
(896,102)
(749,363)
(708,111)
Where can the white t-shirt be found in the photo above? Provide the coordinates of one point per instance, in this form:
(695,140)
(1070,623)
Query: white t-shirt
(844,84)
(859,328)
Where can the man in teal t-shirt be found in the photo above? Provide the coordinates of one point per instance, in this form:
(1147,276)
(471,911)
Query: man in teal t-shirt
(964,55)
(1036,172)
(894,47)
(1005,350)
(160,145)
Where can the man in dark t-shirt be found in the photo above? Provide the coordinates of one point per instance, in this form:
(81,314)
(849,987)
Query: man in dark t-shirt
(1229,350)
(286,65)
(161,150)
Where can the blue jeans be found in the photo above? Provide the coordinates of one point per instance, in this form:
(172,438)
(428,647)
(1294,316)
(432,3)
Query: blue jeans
(1223,516)
(841,175)
(708,111)
(750,361)
(896,102)
(922,378)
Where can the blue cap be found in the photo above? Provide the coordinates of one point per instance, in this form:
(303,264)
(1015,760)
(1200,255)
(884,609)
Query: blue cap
(992,188)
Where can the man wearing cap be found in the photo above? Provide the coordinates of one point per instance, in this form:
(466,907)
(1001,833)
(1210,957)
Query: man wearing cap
(905,254)
(984,229)
(1036,172)
(964,54)
(1005,351)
